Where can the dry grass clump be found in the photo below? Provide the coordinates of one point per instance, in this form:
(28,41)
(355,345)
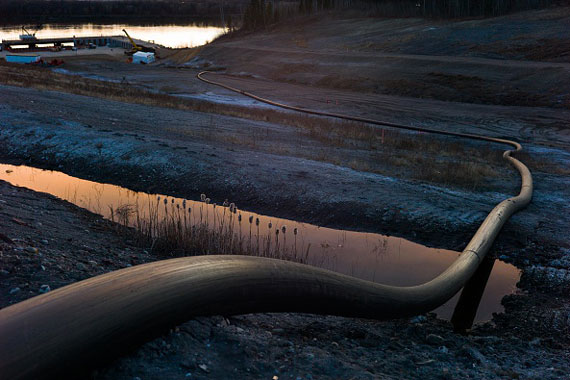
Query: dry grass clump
(353,134)
(460,173)
(540,164)
(170,227)
(471,175)
(415,155)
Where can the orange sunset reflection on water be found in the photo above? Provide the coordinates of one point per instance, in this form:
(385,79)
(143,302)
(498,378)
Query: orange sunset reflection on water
(173,36)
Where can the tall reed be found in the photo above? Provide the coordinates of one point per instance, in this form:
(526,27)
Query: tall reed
(175,232)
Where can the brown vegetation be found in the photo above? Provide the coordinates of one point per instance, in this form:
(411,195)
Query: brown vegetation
(542,164)
(173,228)
(427,157)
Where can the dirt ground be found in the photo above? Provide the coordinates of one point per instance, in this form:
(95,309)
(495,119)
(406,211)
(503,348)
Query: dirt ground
(473,85)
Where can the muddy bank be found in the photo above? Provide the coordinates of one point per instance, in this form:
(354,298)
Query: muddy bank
(48,243)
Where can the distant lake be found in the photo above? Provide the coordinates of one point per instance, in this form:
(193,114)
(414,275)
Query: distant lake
(173,36)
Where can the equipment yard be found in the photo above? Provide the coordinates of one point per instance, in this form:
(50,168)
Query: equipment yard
(157,128)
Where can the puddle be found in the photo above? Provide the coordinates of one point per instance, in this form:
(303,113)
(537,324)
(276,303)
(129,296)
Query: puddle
(374,257)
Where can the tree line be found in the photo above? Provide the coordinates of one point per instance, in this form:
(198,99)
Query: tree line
(45,11)
(260,13)
(249,14)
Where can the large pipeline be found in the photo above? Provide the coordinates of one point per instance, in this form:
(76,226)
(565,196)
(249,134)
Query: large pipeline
(47,335)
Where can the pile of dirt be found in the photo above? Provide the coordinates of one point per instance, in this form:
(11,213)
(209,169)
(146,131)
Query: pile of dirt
(177,56)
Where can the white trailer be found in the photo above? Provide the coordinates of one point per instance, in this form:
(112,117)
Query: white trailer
(142,57)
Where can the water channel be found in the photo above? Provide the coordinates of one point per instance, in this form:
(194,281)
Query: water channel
(383,259)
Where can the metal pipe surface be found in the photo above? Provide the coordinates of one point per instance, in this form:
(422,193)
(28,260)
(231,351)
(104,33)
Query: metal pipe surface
(44,336)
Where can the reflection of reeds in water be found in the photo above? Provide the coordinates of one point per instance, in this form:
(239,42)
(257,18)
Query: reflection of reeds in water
(381,248)
(380,251)
(169,227)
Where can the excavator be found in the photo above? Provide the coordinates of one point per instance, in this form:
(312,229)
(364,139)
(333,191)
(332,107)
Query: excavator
(136,47)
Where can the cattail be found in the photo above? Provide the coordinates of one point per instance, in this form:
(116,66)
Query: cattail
(235,210)
(184,203)
(177,206)
(202,197)
(215,205)
(172,200)
(276,242)
(158,198)
(251,219)
(270,225)
(257,227)
(239,218)
(189,210)
(165,201)
(295,245)
(284,229)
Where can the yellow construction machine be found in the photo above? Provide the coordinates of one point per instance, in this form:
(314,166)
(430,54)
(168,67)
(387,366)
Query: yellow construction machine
(136,47)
